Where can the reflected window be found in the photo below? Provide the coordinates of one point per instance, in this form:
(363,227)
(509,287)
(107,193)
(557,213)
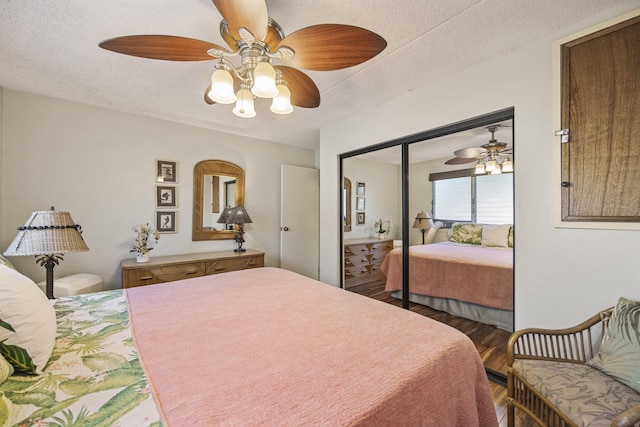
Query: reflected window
(486,199)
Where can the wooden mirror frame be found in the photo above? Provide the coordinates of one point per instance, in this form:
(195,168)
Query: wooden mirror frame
(346,187)
(213,167)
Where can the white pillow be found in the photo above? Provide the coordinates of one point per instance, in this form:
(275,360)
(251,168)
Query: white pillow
(25,309)
(496,235)
(431,234)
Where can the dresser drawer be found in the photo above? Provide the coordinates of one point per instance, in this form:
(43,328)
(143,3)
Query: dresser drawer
(163,273)
(351,250)
(224,265)
(356,260)
(385,246)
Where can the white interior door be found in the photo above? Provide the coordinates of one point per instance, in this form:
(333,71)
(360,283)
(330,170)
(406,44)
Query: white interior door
(300,220)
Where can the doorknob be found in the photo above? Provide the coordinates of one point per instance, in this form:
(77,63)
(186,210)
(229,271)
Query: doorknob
(285,228)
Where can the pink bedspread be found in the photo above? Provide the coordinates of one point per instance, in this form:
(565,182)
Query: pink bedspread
(474,274)
(270,347)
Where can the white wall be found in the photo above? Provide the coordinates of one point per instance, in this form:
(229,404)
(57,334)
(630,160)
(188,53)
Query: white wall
(561,275)
(383,195)
(99,165)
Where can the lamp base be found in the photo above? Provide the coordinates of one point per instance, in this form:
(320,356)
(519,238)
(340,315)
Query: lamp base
(240,250)
(48,262)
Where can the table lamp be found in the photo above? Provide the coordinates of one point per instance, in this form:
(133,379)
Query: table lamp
(423,222)
(239,217)
(48,235)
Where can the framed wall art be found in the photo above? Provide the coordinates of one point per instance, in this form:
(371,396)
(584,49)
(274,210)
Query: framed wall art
(166,171)
(360,218)
(360,189)
(360,203)
(166,196)
(166,221)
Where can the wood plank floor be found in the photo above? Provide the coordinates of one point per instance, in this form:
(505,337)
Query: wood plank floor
(491,343)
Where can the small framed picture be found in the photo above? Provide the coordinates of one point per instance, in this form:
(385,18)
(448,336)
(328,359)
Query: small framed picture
(360,189)
(360,218)
(166,221)
(165,196)
(359,203)
(166,171)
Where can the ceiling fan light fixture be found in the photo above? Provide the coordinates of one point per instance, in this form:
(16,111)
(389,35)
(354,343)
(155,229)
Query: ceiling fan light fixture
(507,165)
(244,105)
(490,166)
(264,80)
(222,86)
(479,168)
(496,171)
(281,103)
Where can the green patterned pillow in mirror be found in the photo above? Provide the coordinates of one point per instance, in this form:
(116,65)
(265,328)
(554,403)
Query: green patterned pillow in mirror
(466,233)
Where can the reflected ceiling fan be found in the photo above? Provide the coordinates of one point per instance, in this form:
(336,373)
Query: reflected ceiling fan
(494,157)
(256,39)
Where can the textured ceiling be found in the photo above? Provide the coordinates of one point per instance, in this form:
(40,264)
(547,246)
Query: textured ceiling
(51,48)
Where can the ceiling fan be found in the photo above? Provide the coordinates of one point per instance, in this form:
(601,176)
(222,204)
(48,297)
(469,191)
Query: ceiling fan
(494,157)
(256,40)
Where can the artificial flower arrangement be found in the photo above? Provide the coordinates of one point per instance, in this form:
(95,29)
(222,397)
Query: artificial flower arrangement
(144,232)
(382,227)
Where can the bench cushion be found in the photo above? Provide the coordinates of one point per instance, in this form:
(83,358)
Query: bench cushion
(584,394)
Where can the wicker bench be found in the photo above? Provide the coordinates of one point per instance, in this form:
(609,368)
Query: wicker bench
(547,378)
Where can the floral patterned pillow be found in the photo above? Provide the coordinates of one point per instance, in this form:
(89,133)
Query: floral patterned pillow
(6,369)
(466,233)
(619,355)
(510,238)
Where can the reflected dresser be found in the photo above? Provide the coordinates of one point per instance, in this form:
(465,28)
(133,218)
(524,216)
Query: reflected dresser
(362,260)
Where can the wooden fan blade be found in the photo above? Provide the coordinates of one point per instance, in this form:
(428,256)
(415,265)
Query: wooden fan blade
(459,161)
(250,14)
(304,92)
(170,48)
(469,153)
(327,47)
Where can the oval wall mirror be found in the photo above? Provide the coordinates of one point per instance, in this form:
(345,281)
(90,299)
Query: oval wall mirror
(217,184)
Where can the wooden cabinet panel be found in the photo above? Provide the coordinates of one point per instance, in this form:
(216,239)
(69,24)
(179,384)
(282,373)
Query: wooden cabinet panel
(362,260)
(601,111)
(178,267)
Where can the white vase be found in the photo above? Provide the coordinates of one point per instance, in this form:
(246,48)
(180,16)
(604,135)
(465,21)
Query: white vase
(140,257)
(381,235)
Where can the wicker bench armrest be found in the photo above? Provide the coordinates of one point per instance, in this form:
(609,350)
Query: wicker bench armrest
(628,418)
(575,344)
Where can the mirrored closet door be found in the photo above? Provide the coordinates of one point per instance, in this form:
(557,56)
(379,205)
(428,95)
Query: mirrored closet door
(419,201)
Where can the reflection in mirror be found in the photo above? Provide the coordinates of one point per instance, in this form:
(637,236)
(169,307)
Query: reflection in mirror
(219,193)
(216,185)
(346,204)
(458,173)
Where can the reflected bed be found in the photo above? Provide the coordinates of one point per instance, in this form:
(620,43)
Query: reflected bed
(470,281)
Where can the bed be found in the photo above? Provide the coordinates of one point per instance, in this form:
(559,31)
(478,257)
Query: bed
(466,280)
(263,346)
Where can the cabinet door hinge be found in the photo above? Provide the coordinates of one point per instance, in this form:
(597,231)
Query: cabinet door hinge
(563,134)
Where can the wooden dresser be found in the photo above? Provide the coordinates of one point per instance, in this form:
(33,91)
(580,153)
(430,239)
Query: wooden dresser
(177,267)
(362,260)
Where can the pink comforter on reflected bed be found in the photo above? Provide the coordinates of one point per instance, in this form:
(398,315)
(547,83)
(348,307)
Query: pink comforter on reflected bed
(476,274)
(270,347)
